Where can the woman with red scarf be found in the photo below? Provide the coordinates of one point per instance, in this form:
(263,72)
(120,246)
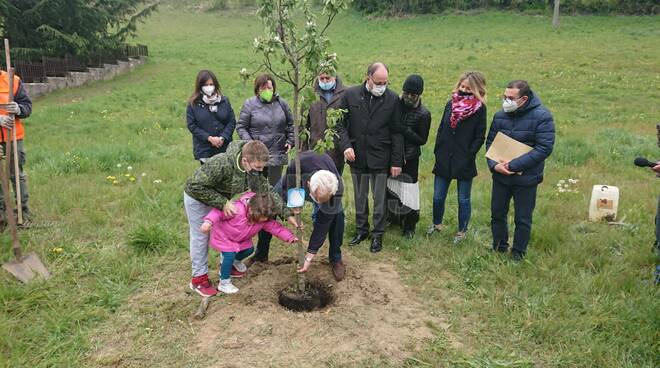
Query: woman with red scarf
(461,134)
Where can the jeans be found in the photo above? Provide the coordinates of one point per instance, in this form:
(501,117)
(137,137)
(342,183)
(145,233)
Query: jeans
(335,237)
(440,189)
(273,173)
(524,201)
(199,242)
(228,260)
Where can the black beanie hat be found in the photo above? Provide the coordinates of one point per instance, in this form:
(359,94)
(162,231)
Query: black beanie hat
(414,84)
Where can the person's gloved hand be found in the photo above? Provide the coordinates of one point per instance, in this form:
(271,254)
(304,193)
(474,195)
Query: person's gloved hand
(7,121)
(13,108)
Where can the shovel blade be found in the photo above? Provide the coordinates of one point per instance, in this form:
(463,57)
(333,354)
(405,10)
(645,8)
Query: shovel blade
(33,261)
(21,271)
(27,268)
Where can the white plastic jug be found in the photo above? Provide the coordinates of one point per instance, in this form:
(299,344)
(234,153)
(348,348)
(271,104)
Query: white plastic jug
(604,202)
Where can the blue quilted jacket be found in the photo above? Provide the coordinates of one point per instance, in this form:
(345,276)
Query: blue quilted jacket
(533,125)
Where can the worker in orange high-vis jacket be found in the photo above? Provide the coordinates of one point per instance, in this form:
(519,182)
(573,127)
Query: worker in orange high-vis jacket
(10,118)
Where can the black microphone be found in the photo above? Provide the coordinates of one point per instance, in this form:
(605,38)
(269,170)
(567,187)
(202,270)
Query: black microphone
(642,162)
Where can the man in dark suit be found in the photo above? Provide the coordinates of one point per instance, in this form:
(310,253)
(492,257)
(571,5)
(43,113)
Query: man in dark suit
(370,138)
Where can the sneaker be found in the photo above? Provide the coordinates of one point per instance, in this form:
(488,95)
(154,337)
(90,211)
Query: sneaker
(202,286)
(236,273)
(227,287)
(409,234)
(458,237)
(433,228)
(26,219)
(657,275)
(499,250)
(240,266)
(517,256)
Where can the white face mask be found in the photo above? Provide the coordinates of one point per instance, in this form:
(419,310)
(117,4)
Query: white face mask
(208,90)
(509,105)
(378,90)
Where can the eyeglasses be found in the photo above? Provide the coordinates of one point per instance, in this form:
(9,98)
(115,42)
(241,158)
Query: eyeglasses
(378,83)
(505,97)
(409,95)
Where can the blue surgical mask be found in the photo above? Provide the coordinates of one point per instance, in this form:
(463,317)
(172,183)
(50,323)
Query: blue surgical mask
(327,86)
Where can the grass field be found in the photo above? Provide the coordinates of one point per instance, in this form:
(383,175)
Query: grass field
(583,298)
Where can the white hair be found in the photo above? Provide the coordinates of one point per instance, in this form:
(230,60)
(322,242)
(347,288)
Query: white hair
(325,181)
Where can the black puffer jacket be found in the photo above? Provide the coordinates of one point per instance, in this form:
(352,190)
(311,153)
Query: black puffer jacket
(415,125)
(456,149)
(533,125)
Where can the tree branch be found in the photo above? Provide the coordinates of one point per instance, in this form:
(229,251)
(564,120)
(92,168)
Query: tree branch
(280,29)
(270,68)
(331,17)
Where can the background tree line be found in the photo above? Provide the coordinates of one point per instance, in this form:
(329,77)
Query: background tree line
(399,7)
(77,27)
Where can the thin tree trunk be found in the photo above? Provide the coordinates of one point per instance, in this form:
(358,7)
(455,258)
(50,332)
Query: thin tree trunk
(296,118)
(555,16)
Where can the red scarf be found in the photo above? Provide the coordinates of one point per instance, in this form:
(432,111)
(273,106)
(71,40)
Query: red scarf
(462,107)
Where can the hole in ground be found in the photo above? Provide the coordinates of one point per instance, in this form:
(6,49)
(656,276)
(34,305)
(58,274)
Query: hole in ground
(316,296)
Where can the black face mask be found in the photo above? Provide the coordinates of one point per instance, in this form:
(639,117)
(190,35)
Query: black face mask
(253,172)
(461,93)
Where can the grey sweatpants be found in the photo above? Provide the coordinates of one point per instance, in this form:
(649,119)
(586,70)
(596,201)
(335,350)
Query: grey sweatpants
(199,242)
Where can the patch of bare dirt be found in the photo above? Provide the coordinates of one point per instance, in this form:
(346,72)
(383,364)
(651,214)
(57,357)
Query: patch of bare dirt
(374,317)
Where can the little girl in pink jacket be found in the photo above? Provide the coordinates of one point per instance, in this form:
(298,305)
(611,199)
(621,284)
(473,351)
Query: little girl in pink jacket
(232,236)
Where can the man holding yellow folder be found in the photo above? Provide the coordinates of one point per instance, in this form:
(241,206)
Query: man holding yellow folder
(524,119)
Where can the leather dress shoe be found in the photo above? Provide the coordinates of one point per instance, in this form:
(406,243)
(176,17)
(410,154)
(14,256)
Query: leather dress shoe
(376,245)
(357,239)
(339,270)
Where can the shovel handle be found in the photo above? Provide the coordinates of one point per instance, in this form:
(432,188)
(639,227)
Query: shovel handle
(19,204)
(4,172)
(10,98)
(9,207)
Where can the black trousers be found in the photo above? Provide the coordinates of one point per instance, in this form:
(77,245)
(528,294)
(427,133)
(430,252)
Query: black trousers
(524,201)
(657,228)
(362,181)
(397,213)
(273,173)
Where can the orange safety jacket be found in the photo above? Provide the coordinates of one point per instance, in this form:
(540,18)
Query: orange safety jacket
(4,98)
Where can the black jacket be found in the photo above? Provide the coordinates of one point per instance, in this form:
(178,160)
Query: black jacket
(456,149)
(202,123)
(23,101)
(533,125)
(372,128)
(415,125)
(311,162)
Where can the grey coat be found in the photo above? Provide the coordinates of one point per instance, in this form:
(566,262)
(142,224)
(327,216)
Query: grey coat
(271,123)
